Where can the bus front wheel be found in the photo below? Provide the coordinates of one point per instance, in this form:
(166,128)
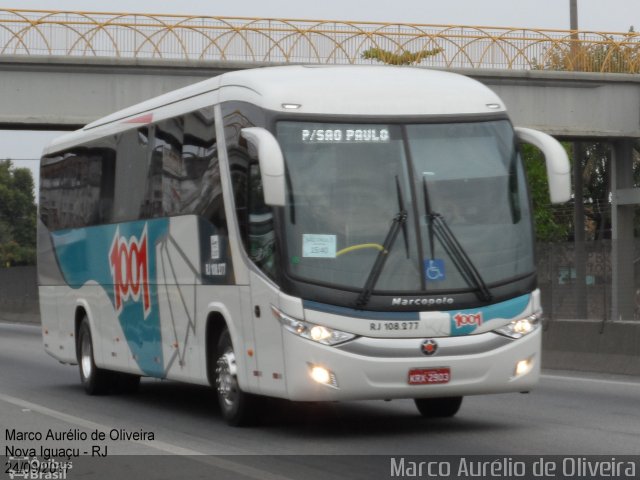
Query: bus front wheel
(238,408)
(438,407)
(96,381)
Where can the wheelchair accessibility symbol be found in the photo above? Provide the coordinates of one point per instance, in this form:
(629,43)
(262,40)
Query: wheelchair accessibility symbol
(434,270)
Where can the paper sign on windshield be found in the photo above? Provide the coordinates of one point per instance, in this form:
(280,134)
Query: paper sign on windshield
(318,246)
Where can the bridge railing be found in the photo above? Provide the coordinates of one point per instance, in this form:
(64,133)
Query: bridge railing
(35,32)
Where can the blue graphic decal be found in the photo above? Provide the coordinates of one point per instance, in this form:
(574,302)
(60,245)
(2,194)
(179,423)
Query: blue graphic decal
(465,322)
(122,259)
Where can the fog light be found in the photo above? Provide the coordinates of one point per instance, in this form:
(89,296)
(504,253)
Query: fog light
(523,367)
(323,376)
(320,375)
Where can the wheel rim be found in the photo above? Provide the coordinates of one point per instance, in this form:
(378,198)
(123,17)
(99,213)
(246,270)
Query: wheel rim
(226,379)
(85,356)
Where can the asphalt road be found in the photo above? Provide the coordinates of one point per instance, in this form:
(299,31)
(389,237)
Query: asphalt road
(568,414)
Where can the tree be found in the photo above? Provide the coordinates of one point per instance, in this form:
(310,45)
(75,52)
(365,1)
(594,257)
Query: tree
(551,222)
(17,216)
(608,55)
(402,57)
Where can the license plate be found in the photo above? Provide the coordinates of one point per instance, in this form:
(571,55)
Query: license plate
(429,376)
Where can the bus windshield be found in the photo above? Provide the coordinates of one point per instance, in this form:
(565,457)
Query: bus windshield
(348,182)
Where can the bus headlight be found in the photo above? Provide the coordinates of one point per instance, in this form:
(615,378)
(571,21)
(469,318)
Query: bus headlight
(520,327)
(310,331)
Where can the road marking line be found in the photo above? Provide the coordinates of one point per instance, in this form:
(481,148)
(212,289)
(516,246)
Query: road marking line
(234,467)
(595,380)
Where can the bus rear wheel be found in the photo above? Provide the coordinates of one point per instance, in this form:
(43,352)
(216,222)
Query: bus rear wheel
(96,381)
(438,407)
(238,408)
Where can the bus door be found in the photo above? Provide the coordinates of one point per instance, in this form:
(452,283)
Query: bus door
(264,291)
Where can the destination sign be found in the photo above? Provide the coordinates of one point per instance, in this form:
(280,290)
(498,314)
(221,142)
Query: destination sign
(345,135)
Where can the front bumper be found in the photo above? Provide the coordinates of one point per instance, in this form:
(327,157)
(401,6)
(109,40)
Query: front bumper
(368,369)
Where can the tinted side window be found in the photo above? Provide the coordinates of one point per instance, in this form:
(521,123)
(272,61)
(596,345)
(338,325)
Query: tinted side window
(163,169)
(131,173)
(166,169)
(200,187)
(260,228)
(77,186)
(182,174)
(255,219)
(236,117)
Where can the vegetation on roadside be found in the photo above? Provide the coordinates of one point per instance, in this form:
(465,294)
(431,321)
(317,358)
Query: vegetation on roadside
(17,216)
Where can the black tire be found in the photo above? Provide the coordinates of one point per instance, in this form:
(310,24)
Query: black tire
(238,408)
(96,381)
(438,407)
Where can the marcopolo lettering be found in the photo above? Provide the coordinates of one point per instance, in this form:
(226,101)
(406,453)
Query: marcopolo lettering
(420,301)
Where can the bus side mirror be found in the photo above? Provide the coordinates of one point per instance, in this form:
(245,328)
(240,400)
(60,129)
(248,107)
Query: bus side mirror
(271,164)
(558,168)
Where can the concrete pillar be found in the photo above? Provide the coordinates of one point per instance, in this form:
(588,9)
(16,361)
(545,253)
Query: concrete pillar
(579,252)
(624,200)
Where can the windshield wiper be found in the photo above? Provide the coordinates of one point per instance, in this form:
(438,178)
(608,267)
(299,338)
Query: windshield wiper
(439,228)
(430,216)
(402,209)
(398,222)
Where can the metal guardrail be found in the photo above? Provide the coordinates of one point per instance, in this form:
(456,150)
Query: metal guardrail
(53,33)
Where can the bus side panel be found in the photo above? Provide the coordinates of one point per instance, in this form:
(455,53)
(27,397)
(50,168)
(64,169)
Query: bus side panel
(49,318)
(227,303)
(268,334)
(50,281)
(178,328)
(111,271)
(116,354)
(138,282)
(194,254)
(178,269)
(69,300)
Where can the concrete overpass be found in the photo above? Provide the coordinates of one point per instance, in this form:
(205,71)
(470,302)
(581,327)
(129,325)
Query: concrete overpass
(53,92)
(88,64)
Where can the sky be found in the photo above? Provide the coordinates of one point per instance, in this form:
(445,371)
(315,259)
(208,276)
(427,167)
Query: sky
(601,15)
(598,15)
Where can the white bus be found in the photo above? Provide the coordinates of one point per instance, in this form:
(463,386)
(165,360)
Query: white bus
(307,233)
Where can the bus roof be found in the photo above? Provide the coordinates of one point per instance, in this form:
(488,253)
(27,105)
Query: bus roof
(330,90)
